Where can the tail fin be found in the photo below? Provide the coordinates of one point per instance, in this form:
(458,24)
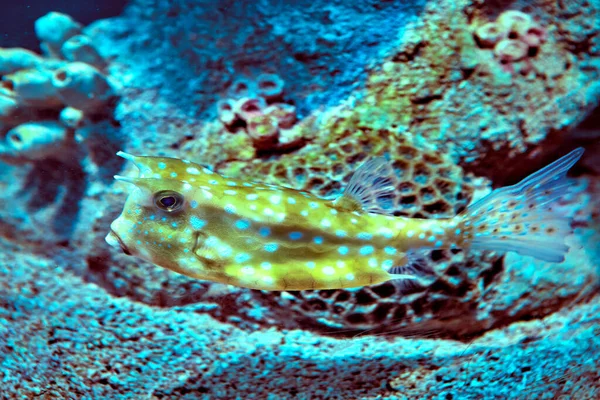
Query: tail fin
(520,218)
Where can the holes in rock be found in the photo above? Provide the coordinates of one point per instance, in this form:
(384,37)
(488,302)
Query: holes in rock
(381,312)
(421,173)
(439,207)
(356,319)
(407,152)
(438,255)
(338,310)
(364,298)
(316,305)
(342,296)
(408,200)
(445,186)
(316,182)
(347,148)
(385,290)
(399,312)
(406,187)
(338,169)
(299,175)
(427,194)
(356,158)
(432,159)
(453,271)
(327,294)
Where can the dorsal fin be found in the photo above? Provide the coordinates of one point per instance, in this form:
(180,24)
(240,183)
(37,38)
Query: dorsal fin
(370,189)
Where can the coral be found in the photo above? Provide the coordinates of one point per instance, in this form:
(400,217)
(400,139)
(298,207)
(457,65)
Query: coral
(259,109)
(489,34)
(248,107)
(226,114)
(39,140)
(270,87)
(54,29)
(264,131)
(83,86)
(445,85)
(285,114)
(13,60)
(509,51)
(32,87)
(242,87)
(514,37)
(49,108)
(35,88)
(80,48)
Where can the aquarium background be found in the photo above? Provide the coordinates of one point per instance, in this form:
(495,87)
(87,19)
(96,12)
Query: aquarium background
(460,96)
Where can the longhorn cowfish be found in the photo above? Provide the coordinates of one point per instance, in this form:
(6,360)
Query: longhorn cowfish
(185,217)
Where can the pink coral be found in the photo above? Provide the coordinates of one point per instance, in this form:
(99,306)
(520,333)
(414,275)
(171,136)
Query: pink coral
(270,86)
(264,131)
(242,87)
(489,34)
(226,113)
(514,37)
(535,36)
(248,107)
(509,50)
(284,113)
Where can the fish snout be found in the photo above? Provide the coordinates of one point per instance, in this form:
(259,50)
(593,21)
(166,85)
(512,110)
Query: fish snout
(115,241)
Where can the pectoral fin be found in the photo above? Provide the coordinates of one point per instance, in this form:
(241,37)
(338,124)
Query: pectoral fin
(210,251)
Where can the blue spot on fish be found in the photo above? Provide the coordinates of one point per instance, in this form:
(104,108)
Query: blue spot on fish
(242,224)
(390,250)
(264,231)
(295,235)
(162,165)
(271,247)
(366,250)
(242,257)
(364,236)
(197,223)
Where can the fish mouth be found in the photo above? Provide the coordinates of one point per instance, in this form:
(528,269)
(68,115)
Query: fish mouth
(113,239)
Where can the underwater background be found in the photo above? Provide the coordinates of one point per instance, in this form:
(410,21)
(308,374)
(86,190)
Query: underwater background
(462,96)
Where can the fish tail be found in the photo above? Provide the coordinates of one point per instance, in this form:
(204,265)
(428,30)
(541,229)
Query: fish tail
(521,217)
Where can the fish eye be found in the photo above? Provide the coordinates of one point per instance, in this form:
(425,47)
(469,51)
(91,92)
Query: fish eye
(168,200)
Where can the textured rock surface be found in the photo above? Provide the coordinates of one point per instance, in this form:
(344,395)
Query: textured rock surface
(63,338)
(79,320)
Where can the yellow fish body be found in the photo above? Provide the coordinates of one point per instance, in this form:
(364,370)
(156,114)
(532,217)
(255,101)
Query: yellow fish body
(191,220)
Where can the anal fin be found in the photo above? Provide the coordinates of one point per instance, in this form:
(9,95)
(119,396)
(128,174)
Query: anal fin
(412,272)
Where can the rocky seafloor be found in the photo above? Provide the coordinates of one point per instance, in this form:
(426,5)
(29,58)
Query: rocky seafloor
(460,96)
